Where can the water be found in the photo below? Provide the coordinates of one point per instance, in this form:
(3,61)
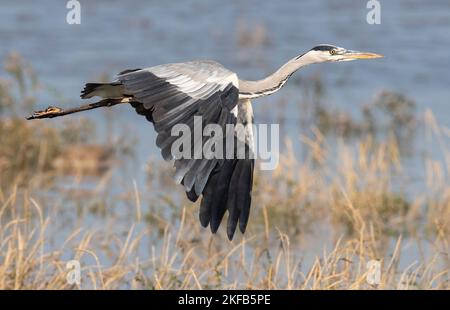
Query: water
(115,35)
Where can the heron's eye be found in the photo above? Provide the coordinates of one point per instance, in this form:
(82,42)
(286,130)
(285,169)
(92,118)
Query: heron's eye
(333,52)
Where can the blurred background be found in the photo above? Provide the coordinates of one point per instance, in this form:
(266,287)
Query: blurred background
(363,173)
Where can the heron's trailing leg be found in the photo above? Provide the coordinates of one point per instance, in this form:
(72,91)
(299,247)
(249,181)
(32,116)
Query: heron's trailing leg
(51,112)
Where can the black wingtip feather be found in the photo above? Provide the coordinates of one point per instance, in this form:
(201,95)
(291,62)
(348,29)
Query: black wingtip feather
(229,188)
(239,196)
(233,197)
(192,196)
(208,197)
(247,195)
(220,194)
(88,88)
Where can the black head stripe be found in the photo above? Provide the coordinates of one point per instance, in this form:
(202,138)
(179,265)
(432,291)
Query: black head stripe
(323,48)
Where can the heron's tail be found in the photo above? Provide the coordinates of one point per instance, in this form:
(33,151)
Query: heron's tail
(105,90)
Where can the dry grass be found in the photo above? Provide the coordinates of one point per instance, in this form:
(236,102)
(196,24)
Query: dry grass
(315,222)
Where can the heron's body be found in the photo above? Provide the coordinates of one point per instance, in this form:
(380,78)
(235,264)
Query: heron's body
(173,94)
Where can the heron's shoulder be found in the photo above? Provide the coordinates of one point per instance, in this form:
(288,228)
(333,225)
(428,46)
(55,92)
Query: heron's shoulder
(202,70)
(195,66)
(205,62)
(208,66)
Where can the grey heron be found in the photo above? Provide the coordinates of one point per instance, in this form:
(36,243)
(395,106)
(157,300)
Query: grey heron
(174,93)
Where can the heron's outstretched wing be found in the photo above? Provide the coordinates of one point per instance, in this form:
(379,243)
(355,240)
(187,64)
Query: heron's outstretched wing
(173,94)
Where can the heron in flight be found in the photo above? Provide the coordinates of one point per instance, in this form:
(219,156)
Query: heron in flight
(172,94)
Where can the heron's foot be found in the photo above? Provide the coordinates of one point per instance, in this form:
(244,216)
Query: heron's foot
(47,113)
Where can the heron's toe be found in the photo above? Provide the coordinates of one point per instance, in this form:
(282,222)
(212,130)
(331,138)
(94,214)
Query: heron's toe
(45,113)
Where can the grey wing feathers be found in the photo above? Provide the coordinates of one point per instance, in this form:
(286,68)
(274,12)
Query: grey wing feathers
(173,94)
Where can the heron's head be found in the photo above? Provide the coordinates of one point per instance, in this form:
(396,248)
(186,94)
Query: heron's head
(327,53)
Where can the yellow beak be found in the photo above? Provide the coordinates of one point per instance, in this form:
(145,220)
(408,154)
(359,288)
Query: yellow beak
(361,55)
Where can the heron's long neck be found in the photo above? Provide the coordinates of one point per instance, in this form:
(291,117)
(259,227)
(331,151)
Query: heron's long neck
(272,83)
